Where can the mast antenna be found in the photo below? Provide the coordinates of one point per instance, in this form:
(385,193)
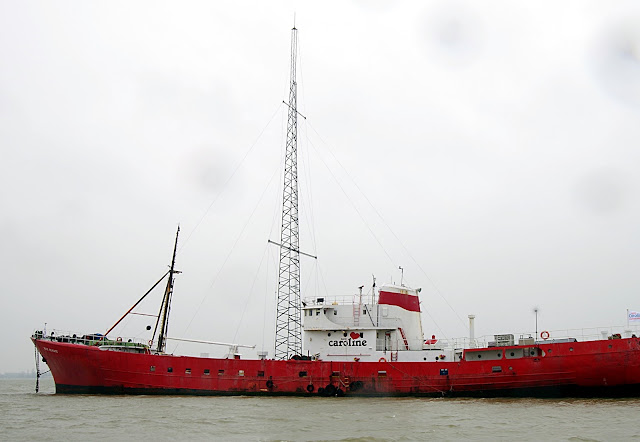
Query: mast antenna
(288,310)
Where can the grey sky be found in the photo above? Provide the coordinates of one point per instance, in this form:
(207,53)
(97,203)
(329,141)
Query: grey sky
(498,140)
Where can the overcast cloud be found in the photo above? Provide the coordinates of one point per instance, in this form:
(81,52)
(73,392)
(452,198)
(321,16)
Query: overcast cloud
(488,148)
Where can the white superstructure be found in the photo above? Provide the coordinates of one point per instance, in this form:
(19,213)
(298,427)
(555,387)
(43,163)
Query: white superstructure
(387,327)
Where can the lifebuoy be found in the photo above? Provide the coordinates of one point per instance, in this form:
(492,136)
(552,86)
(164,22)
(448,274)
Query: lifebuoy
(544,335)
(119,339)
(310,388)
(382,360)
(150,342)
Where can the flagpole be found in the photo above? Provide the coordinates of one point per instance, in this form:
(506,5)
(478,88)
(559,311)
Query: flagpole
(627,318)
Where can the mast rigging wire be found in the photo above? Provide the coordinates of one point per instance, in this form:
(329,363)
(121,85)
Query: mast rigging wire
(224,186)
(371,230)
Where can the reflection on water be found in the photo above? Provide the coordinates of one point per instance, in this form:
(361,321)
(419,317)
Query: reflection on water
(26,415)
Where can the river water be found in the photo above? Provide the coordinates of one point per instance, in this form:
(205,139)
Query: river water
(27,415)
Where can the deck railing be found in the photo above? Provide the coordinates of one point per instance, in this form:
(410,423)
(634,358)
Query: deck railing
(87,338)
(340,300)
(579,334)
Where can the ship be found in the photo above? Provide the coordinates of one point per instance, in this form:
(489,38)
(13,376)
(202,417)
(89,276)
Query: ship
(365,345)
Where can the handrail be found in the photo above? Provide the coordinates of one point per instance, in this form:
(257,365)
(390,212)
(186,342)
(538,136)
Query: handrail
(87,338)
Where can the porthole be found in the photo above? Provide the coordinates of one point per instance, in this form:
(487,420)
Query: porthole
(610,346)
(570,348)
(513,354)
(152,368)
(170,370)
(499,355)
(328,334)
(549,351)
(479,356)
(344,334)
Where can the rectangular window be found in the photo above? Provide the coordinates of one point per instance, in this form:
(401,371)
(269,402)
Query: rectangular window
(261,374)
(152,368)
(240,372)
(206,372)
(220,372)
(302,374)
(335,373)
(187,371)
(170,370)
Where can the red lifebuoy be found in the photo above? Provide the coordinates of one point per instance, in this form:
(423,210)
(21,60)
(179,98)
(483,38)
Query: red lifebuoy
(544,335)
(118,339)
(382,360)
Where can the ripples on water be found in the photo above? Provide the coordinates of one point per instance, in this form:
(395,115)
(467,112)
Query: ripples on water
(26,415)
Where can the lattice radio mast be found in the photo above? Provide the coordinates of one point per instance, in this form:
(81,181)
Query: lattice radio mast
(288,312)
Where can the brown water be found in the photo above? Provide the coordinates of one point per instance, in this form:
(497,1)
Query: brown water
(26,415)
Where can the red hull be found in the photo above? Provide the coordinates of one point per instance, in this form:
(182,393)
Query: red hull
(593,368)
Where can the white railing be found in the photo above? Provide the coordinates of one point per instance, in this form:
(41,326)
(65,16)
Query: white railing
(80,338)
(580,334)
(335,300)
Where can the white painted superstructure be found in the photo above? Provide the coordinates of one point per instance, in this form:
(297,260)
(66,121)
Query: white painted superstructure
(387,327)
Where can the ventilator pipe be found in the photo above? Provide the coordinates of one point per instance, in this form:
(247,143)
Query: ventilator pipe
(472,331)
